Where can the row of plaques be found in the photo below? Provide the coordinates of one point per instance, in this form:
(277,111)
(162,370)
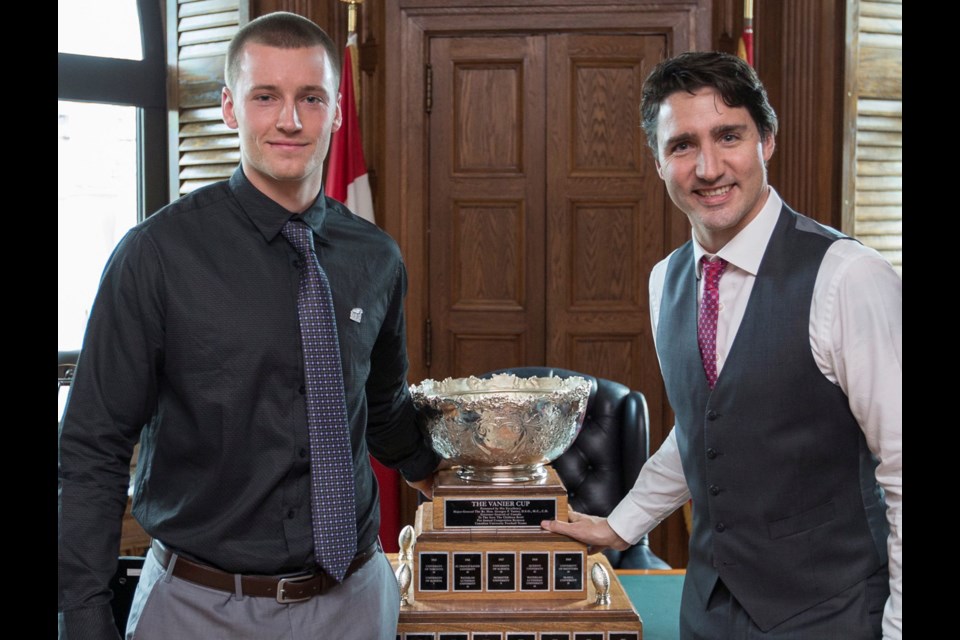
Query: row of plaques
(522,635)
(469,572)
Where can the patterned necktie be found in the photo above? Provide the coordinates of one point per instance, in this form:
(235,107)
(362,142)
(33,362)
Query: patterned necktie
(331,457)
(709,308)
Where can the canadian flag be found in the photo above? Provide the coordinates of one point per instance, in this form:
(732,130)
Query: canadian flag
(347,179)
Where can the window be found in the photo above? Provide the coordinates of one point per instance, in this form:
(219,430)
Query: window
(111,118)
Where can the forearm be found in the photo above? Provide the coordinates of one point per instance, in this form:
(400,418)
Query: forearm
(659,490)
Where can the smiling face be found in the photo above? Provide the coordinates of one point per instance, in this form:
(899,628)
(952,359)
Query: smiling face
(713,162)
(285,105)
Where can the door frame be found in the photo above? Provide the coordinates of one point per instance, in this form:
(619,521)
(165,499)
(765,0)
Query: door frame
(409,25)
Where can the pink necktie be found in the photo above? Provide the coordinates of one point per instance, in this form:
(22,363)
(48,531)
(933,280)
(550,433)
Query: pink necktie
(709,308)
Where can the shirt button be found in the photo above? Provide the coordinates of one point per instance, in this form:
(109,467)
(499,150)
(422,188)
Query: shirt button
(302,390)
(712,453)
(712,415)
(303,453)
(720,527)
(291,514)
(714,490)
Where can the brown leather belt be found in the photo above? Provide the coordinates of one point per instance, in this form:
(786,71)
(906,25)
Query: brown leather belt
(285,589)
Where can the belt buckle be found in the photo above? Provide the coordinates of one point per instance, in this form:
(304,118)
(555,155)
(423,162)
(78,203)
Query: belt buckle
(283,582)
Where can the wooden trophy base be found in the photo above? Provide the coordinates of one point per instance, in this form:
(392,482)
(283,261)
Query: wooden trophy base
(493,564)
(508,618)
(482,569)
(483,541)
(459,503)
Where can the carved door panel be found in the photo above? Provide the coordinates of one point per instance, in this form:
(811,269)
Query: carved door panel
(487,222)
(605,204)
(546,213)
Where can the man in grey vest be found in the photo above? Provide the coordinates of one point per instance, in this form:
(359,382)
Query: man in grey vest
(780,342)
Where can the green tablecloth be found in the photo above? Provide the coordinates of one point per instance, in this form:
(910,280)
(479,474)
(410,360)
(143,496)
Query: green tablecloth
(657,600)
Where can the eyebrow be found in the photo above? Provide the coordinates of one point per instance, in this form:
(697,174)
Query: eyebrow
(715,132)
(310,88)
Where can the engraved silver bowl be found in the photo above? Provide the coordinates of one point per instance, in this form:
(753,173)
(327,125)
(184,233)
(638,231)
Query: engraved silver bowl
(502,429)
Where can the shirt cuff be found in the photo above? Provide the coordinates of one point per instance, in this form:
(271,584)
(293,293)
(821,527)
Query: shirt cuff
(630,523)
(420,465)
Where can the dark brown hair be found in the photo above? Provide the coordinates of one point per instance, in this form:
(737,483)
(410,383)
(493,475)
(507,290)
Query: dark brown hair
(735,81)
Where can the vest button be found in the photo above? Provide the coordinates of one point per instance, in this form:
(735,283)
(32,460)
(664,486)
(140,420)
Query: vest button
(712,415)
(720,527)
(712,453)
(714,490)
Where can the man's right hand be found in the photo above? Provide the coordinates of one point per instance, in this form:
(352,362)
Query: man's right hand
(594,531)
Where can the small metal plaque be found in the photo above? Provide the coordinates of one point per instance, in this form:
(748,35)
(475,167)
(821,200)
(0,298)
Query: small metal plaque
(534,571)
(453,636)
(501,571)
(507,512)
(487,636)
(467,572)
(623,635)
(419,636)
(588,635)
(568,571)
(521,636)
(555,636)
(433,572)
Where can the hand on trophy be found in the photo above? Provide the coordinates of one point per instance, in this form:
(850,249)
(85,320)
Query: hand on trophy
(425,486)
(592,530)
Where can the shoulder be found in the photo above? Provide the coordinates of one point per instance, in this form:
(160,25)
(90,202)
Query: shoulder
(201,207)
(348,229)
(853,269)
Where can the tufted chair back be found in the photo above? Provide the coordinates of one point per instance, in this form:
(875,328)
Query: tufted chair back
(602,464)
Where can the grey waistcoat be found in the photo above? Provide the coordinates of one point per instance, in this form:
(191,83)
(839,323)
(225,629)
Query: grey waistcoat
(787,510)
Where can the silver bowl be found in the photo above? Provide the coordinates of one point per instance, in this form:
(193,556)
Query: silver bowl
(503,429)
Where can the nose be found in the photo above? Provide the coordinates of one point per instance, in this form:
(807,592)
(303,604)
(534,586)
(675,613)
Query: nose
(709,165)
(288,119)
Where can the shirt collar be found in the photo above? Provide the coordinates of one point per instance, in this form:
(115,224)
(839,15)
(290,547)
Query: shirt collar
(268,216)
(746,249)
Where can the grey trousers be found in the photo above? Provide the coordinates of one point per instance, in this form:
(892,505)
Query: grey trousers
(364,607)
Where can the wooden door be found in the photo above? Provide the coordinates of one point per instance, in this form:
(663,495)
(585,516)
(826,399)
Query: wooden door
(487,204)
(546,213)
(605,204)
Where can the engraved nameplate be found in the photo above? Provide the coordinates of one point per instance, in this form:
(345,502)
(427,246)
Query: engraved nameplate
(534,571)
(501,571)
(568,571)
(466,572)
(433,572)
(498,512)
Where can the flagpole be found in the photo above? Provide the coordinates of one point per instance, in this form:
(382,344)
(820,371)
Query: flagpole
(352,14)
(745,45)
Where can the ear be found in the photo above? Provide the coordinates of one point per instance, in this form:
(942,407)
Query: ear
(338,117)
(656,162)
(769,144)
(227,108)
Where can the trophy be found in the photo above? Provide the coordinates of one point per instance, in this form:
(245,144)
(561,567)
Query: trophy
(481,564)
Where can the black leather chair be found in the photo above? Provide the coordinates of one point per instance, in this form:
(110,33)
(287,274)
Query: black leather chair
(602,464)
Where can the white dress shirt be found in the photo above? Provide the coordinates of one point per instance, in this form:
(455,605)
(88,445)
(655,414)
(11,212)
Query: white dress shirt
(856,336)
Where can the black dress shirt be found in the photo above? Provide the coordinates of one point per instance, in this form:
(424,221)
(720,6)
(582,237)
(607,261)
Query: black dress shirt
(193,346)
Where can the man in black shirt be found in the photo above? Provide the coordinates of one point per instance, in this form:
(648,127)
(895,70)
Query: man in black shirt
(194,346)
